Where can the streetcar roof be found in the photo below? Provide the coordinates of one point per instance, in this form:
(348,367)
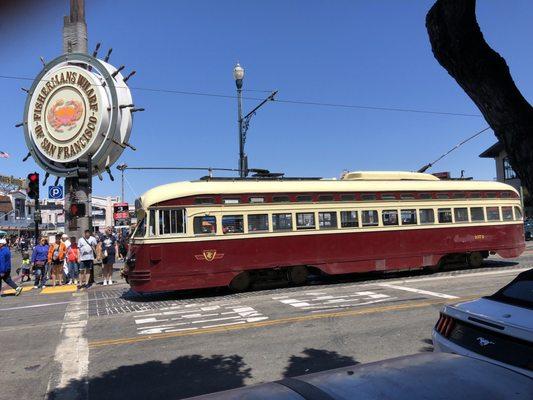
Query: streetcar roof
(359,182)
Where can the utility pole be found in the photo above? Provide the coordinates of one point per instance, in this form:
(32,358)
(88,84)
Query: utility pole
(77,188)
(122,167)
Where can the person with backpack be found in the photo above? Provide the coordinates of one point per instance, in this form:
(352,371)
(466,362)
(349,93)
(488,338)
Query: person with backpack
(56,255)
(73,261)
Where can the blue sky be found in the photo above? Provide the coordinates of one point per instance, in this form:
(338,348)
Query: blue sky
(372,53)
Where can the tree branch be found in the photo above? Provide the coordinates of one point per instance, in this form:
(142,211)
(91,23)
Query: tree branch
(458,45)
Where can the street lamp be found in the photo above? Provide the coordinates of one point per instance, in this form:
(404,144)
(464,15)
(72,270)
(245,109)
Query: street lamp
(243,122)
(238,75)
(122,167)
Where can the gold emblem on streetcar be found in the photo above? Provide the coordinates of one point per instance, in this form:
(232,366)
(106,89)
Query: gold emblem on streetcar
(209,255)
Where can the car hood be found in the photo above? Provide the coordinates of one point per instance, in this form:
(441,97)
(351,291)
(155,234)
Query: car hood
(497,312)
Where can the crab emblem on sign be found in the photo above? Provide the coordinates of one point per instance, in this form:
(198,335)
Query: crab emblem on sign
(64,113)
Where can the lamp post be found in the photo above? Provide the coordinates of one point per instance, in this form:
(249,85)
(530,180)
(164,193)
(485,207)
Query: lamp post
(122,167)
(238,75)
(244,122)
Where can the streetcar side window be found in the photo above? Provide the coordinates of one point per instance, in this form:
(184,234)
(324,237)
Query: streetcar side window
(325,197)
(425,196)
(349,219)
(388,196)
(368,196)
(390,217)
(517,213)
(327,220)
(232,224)
(305,220)
(445,215)
(282,222)
(257,222)
(205,225)
(493,213)
(408,217)
(427,216)
(304,198)
(151,228)
(370,218)
(347,197)
(171,222)
(507,213)
(280,199)
(460,214)
(477,214)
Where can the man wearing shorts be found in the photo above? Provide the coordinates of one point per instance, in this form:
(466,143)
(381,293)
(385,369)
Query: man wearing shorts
(86,244)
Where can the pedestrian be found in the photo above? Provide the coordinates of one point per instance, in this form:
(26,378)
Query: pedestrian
(73,261)
(66,241)
(56,255)
(86,244)
(109,247)
(5,267)
(122,244)
(25,267)
(39,260)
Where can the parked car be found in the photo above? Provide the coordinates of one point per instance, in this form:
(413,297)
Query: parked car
(496,328)
(435,376)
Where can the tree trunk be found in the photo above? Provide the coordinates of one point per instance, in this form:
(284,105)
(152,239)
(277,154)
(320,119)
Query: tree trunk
(459,46)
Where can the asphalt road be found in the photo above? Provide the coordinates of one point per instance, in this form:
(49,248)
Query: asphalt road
(106,343)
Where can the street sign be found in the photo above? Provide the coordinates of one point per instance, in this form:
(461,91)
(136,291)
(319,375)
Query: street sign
(55,192)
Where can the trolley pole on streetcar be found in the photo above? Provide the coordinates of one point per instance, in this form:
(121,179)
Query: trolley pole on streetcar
(244,122)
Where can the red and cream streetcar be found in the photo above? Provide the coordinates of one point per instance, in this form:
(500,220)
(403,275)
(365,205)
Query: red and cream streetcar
(219,232)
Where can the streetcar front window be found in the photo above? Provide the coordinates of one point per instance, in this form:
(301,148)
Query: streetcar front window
(141,228)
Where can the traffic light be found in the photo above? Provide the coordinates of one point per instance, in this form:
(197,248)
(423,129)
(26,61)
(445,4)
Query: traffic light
(83,172)
(77,210)
(33,186)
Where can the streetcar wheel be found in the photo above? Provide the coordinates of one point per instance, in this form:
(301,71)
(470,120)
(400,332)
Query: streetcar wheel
(241,282)
(298,275)
(475,259)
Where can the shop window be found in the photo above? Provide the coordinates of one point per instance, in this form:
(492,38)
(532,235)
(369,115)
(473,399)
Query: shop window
(508,171)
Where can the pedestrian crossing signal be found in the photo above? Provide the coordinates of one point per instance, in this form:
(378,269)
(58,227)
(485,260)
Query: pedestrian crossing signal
(77,210)
(33,186)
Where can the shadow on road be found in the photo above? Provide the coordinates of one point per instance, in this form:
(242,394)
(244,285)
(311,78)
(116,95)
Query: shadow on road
(184,376)
(316,360)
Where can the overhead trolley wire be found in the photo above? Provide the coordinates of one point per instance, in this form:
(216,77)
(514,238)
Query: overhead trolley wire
(284,101)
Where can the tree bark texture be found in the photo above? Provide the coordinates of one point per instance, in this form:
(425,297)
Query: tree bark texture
(458,45)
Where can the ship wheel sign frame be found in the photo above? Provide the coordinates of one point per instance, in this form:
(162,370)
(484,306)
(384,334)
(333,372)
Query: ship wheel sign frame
(78,106)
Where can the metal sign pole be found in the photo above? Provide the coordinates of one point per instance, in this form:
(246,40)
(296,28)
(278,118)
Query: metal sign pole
(77,191)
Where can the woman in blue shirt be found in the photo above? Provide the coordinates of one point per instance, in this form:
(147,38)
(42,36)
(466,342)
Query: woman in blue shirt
(39,258)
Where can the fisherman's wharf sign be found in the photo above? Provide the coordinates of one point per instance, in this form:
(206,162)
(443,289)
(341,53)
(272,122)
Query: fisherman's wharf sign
(77,107)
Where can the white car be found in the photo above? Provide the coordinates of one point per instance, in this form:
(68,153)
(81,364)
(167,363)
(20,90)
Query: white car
(497,328)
